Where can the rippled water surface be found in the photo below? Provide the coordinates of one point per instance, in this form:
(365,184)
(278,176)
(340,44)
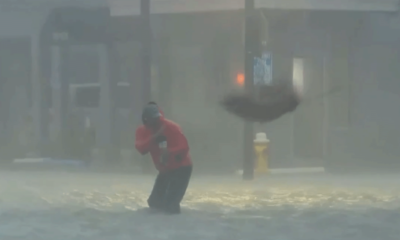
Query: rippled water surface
(58,206)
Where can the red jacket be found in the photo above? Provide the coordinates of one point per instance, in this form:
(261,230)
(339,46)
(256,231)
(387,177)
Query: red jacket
(177,146)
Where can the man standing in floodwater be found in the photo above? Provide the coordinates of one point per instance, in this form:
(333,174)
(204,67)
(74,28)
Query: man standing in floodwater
(169,149)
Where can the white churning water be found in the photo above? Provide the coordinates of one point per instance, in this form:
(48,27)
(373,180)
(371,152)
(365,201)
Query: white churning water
(67,206)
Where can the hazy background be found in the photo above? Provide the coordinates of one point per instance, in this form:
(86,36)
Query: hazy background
(196,58)
(71,87)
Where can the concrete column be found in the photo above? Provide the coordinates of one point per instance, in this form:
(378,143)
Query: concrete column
(136,88)
(105,126)
(339,72)
(309,118)
(161,30)
(40,109)
(115,78)
(165,74)
(326,151)
(8,100)
(19,106)
(60,92)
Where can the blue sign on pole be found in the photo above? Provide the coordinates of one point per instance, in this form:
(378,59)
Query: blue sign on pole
(263,69)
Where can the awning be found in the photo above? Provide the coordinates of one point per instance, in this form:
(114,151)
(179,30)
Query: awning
(132,7)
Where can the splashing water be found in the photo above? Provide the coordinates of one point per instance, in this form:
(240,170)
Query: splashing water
(48,206)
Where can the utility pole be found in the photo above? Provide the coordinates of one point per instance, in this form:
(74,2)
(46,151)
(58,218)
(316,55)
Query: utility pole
(145,51)
(145,72)
(250,47)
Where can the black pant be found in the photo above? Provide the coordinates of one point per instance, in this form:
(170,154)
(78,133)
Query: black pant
(169,189)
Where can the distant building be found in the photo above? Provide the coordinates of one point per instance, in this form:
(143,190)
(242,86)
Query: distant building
(198,54)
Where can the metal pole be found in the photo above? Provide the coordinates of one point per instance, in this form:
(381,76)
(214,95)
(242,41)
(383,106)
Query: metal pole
(40,108)
(104,133)
(60,96)
(146,64)
(326,102)
(146,51)
(248,160)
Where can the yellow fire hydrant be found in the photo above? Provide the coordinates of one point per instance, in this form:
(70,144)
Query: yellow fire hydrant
(261,145)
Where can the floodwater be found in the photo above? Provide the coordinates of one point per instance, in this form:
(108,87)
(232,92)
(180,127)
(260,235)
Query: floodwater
(83,206)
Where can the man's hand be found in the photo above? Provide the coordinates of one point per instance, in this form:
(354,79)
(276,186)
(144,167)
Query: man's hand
(157,134)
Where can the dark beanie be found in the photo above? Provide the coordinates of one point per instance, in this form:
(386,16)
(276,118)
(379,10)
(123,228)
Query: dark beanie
(150,112)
